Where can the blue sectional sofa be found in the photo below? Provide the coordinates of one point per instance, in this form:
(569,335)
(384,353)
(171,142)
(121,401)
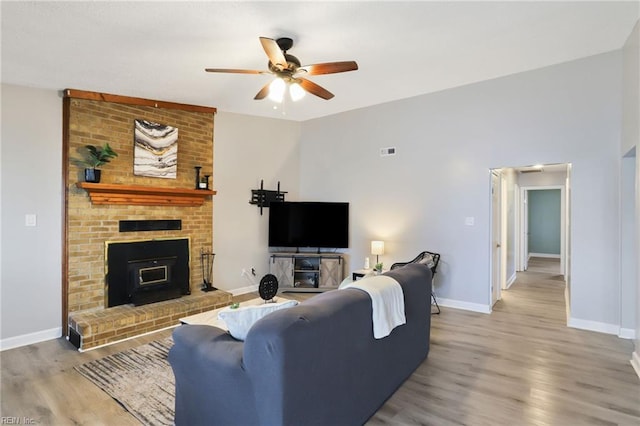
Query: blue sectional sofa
(313,364)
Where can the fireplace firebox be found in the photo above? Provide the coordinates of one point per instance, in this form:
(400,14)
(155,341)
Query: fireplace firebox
(142,272)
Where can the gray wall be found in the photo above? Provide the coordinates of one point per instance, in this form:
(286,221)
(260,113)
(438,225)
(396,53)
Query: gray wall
(246,150)
(31,170)
(512,198)
(446,144)
(628,250)
(630,139)
(542,179)
(544,221)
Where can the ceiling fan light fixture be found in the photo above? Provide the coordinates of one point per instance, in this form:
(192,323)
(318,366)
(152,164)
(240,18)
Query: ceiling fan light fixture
(296,91)
(276,90)
(288,72)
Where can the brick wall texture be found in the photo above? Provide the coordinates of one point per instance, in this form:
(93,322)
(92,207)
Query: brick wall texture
(90,226)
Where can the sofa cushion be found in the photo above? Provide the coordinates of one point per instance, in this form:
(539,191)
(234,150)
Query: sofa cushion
(241,319)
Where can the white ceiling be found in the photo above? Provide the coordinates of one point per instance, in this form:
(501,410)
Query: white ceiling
(159,50)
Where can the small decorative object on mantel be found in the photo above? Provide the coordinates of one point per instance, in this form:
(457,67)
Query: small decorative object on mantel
(201,182)
(206,262)
(198,176)
(94,157)
(264,197)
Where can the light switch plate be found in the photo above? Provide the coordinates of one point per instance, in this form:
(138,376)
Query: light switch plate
(385,152)
(470,221)
(30,220)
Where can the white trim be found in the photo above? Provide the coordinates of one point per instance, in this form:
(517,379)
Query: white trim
(511,280)
(627,333)
(467,306)
(567,305)
(494,292)
(242,290)
(546,255)
(600,327)
(564,225)
(635,362)
(31,338)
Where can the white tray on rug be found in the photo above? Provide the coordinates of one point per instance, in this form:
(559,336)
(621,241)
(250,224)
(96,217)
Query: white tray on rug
(211,317)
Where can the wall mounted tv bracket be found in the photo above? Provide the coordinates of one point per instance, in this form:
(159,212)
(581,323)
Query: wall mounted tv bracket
(264,197)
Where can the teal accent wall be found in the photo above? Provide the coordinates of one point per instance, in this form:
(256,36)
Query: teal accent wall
(544,221)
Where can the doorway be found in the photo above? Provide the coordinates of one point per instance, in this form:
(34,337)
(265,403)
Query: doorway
(542,224)
(511,189)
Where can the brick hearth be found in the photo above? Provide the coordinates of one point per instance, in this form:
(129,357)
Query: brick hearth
(101,326)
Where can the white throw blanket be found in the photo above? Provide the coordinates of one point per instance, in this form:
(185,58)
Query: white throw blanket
(387,302)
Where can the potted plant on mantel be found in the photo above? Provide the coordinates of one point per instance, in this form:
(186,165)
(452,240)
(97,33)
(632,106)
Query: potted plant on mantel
(94,157)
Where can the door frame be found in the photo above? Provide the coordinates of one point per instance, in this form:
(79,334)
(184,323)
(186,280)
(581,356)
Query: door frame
(497,270)
(523,252)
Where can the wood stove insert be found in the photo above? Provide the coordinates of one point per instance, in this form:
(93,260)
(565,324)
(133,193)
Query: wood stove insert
(142,272)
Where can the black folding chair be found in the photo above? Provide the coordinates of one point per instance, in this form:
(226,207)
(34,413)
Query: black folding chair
(430,259)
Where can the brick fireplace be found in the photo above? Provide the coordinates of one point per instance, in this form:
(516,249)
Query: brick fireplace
(91,223)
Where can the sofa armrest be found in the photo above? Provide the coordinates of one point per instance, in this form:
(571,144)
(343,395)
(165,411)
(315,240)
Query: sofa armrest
(211,384)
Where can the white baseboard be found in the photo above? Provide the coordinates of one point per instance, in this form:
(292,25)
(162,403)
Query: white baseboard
(635,361)
(467,306)
(600,327)
(547,255)
(253,284)
(31,338)
(627,333)
(242,290)
(510,281)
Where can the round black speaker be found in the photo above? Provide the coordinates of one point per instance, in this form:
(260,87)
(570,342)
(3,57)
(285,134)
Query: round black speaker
(268,287)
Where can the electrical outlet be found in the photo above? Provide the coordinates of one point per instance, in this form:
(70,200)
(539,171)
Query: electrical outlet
(385,152)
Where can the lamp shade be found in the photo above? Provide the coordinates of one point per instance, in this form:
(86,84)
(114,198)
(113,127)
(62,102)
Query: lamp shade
(377,247)
(296,92)
(276,90)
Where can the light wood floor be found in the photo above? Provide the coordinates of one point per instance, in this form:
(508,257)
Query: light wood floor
(518,366)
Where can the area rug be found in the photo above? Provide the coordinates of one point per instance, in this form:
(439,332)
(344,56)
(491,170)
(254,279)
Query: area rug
(140,379)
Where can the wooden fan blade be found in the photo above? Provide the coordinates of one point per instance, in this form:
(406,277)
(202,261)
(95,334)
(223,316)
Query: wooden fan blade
(234,71)
(314,89)
(263,92)
(329,68)
(274,53)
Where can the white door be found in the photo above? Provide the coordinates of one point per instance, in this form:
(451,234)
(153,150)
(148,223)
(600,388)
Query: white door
(524,249)
(496,236)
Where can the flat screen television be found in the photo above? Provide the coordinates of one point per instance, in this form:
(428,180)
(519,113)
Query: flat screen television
(309,224)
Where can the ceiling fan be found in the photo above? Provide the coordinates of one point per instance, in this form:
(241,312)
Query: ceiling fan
(289,72)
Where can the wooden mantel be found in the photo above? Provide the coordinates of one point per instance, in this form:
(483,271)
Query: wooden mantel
(105,193)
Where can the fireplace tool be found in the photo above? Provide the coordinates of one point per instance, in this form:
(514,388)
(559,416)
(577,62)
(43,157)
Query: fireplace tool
(206,263)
